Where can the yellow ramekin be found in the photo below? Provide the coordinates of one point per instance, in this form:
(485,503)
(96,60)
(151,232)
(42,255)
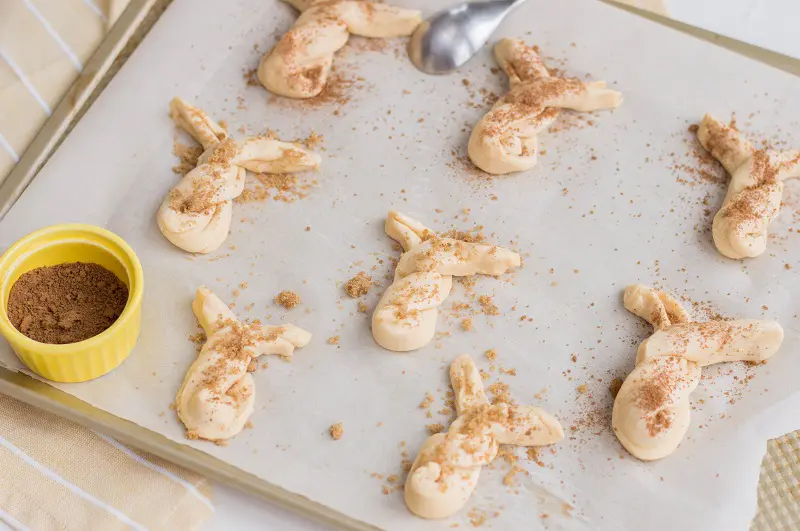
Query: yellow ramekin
(98,355)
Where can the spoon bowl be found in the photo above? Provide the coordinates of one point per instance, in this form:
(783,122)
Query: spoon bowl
(452,37)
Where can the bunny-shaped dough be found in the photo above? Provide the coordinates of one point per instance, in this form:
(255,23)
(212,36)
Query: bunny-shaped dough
(754,193)
(446,471)
(504,140)
(196,214)
(299,65)
(217,395)
(652,409)
(405,317)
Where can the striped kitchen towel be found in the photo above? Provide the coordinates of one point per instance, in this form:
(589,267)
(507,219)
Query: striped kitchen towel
(58,475)
(44,45)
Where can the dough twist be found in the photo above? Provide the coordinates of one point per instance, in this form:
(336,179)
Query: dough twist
(405,317)
(652,409)
(196,214)
(218,393)
(446,471)
(504,140)
(754,193)
(299,65)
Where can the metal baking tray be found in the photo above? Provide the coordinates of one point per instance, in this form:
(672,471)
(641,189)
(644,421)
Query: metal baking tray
(39,394)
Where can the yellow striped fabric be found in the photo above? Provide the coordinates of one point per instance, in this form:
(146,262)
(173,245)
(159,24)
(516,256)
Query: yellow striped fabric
(43,47)
(58,475)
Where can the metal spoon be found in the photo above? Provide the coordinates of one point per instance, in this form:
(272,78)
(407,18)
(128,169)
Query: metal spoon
(451,37)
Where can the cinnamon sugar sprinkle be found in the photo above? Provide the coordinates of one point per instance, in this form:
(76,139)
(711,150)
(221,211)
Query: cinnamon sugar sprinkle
(234,345)
(284,187)
(187,157)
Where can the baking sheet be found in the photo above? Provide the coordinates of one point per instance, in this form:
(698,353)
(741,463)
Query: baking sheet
(598,223)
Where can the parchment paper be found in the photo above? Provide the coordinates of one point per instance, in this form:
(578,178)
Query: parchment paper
(605,207)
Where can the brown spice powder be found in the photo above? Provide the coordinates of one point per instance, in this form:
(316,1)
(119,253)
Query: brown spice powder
(66,303)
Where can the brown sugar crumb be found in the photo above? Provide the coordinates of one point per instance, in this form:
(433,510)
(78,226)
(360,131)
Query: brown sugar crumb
(336,430)
(787,266)
(198,339)
(251,77)
(287,299)
(615,386)
(487,306)
(583,388)
(252,366)
(475,235)
(248,425)
(433,429)
(510,478)
(359,285)
(478,517)
(333,340)
(192,435)
(284,187)
(187,157)
(500,393)
(466,324)
(491,354)
(66,303)
(426,403)
(362,307)
(312,141)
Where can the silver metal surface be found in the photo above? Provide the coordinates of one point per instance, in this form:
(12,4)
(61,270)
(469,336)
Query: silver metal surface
(451,37)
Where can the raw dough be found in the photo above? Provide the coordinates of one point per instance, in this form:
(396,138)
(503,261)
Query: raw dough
(446,471)
(218,393)
(405,317)
(504,140)
(652,409)
(754,193)
(299,65)
(196,214)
